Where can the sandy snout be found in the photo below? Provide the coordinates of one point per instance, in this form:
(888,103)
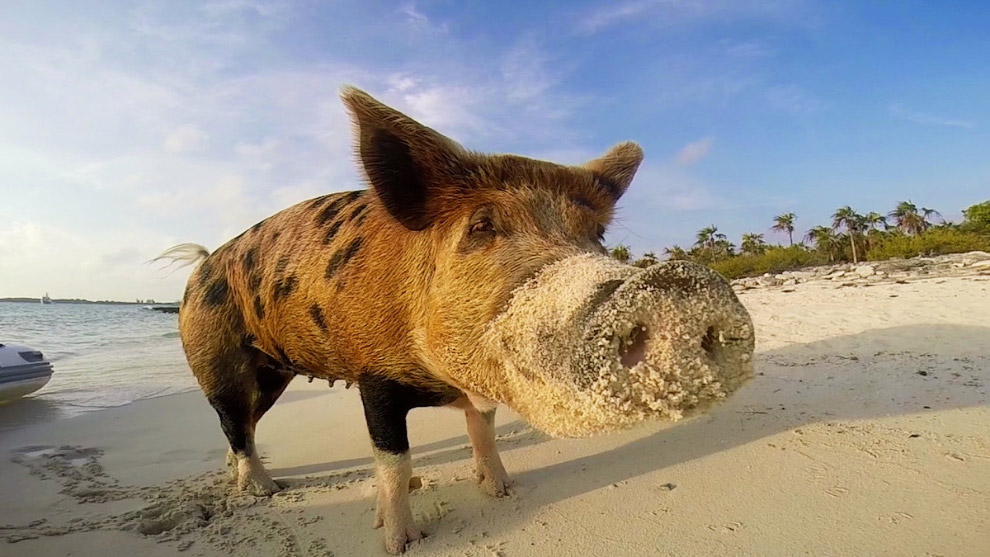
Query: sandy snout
(592,345)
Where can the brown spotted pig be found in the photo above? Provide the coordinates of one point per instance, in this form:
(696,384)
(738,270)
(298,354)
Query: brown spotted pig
(391,288)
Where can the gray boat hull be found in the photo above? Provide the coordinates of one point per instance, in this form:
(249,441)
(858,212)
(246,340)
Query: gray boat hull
(22,371)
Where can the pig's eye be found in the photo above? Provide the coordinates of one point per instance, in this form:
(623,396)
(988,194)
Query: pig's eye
(601,233)
(484,226)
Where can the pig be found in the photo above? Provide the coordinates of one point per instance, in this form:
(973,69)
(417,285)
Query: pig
(455,279)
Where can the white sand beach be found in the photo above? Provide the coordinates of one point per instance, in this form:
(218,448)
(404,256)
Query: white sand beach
(865,432)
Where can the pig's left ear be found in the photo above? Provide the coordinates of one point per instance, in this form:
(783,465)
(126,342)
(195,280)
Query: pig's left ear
(616,169)
(407,163)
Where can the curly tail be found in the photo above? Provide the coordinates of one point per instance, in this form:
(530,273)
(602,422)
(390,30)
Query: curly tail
(185,254)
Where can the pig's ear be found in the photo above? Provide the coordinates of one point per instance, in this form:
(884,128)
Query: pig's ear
(405,161)
(615,170)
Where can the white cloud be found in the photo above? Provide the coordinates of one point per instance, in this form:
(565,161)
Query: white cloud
(793,99)
(525,72)
(521,100)
(898,111)
(65,262)
(420,24)
(617,12)
(747,50)
(674,12)
(159,126)
(185,139)
(693,152)
(661,194)
(410,10)
(265,9)
(453,109)
(668,188)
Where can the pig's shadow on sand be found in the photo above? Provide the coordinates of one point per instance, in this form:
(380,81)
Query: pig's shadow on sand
(809,377)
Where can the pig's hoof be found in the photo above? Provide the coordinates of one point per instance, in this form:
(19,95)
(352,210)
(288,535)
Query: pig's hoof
(395,542)
(260,487)
(254,479)
(496,485)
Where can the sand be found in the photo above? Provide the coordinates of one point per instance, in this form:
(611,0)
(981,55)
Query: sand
(865,432)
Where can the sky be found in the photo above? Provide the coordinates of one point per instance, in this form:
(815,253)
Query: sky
(128,127)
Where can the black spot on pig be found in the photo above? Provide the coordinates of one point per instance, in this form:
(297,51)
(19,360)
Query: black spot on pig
(357,211)
(329,212)
(316,312)
(331,232)
(250,258)
(320,201)
(284,287)
(341,257)
(254,282)
(205,272)
(216,293)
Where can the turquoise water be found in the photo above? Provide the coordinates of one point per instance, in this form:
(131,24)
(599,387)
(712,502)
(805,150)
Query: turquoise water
(103,355)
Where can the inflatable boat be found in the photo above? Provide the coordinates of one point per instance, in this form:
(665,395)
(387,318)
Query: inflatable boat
(22,371)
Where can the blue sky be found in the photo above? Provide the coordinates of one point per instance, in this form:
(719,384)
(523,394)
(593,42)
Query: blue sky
(127,127)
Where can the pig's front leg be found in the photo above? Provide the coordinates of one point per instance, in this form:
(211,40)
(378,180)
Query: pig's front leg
(385,409)
(488,469)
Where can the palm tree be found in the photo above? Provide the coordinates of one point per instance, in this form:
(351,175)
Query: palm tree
(853,222)
(926,213)
(708,238)
(876,228)
(784,223)
(875,220)
(824,239)
(753,243)
(907,218)
(649,259)
(621,253)
(675,253)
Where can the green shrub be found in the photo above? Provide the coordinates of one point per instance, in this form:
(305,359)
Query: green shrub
(774,260)
(977,217)
(935,241)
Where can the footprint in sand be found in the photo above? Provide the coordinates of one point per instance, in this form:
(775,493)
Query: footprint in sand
(726,528)
(837,491)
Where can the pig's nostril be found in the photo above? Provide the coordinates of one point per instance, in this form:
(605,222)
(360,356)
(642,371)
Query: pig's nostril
(709,341)
(633,349)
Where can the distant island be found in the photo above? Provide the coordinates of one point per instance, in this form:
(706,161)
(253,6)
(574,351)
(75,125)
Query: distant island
(82,301)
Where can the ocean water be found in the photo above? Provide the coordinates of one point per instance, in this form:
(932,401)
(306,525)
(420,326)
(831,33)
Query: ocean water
(103,355)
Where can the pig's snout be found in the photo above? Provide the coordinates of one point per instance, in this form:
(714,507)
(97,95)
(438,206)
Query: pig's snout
(678,318)
(590,345)
(724,344)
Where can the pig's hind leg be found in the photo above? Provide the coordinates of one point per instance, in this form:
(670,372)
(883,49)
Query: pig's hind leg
(241,391)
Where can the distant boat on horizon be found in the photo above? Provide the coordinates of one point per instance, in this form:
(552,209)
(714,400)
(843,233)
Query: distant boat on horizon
(46,299)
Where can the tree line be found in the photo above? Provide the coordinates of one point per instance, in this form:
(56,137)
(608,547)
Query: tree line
(906,231)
